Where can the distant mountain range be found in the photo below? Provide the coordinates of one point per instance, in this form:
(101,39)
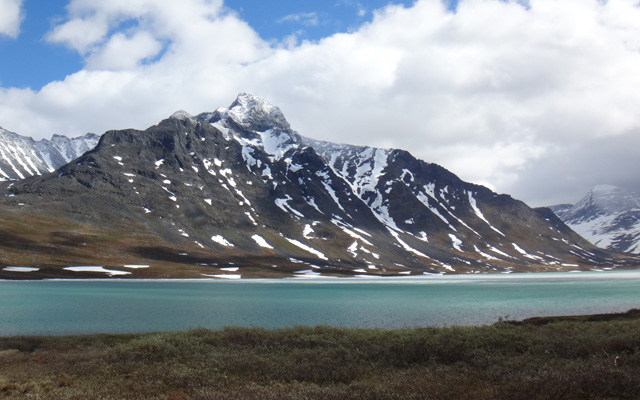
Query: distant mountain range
(21,156)
(238,193)
(607,216)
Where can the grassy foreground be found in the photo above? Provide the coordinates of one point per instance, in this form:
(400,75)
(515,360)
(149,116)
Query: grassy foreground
(588,358)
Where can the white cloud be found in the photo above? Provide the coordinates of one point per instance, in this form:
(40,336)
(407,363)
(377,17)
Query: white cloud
(306,19)
(122,52)
(496,92)
(10,17)
(80,33)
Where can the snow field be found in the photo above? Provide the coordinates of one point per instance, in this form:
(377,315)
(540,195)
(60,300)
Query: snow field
(20,269)
(109,272)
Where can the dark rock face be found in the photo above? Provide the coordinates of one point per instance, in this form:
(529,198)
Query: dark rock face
(240,183)
(607,216)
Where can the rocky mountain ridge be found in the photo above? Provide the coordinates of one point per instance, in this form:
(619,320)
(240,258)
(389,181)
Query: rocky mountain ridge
(237,193)
(21,156)
(607,216)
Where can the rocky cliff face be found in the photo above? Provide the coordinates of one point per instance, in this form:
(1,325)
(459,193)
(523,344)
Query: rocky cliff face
(241,185)
(607,216)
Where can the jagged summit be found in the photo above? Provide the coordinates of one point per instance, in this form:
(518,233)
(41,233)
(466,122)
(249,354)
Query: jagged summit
(612,199)
(251,112)
(607,216)
(254,123)
(602,200)
(22,157)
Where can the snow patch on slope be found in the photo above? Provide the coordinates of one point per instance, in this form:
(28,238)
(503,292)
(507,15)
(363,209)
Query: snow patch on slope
(307,248)
(261,241)
(221,241)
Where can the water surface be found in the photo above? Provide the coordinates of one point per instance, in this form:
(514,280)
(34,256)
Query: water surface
(124,306)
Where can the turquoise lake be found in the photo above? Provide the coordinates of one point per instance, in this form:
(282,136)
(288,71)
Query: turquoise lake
(126,306)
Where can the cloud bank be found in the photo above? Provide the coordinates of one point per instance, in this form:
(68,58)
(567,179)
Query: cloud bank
(10,17)
(537,99)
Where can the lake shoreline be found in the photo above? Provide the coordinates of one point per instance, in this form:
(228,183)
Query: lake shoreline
(357,278)
(631,314)
(234,273)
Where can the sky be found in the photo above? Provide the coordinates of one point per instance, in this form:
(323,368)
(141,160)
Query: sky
(539,99)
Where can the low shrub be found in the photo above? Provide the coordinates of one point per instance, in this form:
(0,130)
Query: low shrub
(558,360)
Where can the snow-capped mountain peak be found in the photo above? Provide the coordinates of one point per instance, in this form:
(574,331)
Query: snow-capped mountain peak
(183,115)
(608,216)
(21,156)
(611,199)
(255,113)
(254,123)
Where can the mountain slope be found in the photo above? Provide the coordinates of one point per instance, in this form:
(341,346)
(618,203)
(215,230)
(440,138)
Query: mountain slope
(255,198)
(607,216)
(21,156)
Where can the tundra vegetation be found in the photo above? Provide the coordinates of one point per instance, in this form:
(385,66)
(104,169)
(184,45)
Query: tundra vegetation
(593,357)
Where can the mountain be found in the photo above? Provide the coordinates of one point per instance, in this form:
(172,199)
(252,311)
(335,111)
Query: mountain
(607,216)
(237,192)
(21,156)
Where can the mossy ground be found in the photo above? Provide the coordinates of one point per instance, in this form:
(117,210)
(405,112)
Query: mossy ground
(560,359)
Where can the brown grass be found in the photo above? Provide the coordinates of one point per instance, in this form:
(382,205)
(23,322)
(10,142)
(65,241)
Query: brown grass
(558,360)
